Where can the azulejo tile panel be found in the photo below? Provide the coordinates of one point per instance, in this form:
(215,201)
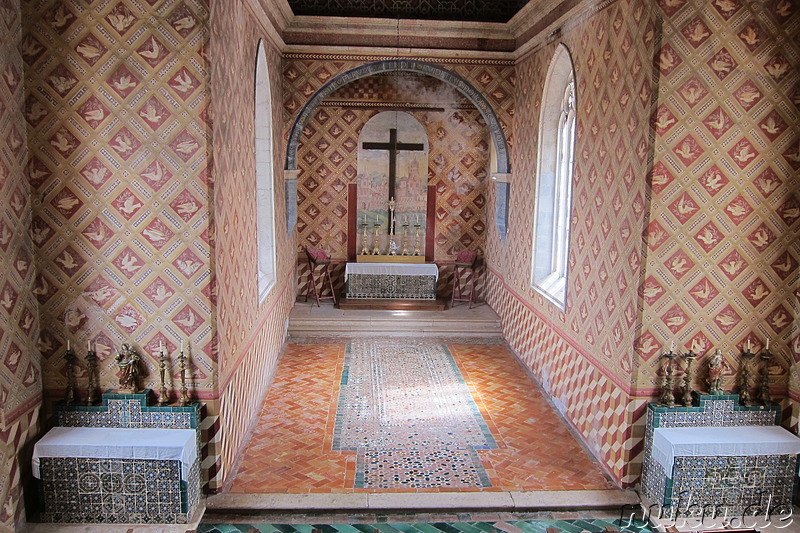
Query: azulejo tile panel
(77,490)
(129,411)
(714,486)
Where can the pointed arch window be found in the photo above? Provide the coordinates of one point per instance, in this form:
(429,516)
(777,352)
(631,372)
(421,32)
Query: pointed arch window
(553,200)
(265,197)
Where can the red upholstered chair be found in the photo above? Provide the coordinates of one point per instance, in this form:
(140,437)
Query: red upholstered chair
(465,264)
(319,257)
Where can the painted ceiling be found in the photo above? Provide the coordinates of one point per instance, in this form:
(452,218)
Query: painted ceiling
(459,10)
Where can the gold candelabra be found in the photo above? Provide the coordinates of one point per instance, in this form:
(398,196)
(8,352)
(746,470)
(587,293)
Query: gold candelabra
(69,356)
(91,369)
(766,357)
(184,399)
(162,370)
(745,379)
(417,250)
(364,247)
(376,248)
(687,378)
(667,393)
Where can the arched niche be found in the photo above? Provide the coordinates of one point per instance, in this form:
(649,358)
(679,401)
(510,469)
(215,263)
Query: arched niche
(409,65)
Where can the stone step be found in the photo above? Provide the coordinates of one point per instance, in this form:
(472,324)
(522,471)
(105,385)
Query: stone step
(307,320)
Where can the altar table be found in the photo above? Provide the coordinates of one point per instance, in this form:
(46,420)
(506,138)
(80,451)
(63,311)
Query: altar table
(391,280)
(100,474)
(669,443)
(718,458)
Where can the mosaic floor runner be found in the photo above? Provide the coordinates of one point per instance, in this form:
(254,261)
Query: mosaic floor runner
(407,411)
(542,526)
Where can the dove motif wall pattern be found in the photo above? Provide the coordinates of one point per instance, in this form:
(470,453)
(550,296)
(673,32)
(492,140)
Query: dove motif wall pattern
(719,261)
(251,333)
(723,240)
(584,357)
(20,369)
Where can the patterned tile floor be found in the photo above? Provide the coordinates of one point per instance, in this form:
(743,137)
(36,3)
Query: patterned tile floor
(292,448)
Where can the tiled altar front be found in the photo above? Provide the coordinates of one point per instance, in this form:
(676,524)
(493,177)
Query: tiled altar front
(122,490)
(717,485)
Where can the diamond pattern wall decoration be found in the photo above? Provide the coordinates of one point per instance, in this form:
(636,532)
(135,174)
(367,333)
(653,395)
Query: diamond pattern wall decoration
(20,372)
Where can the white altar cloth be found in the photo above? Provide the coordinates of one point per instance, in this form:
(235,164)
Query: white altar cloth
(398,269)
(669,443)
(119,443)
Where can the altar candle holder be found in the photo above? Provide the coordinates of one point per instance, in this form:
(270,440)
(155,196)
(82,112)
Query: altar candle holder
(766,358)
(69,356)
(364,247)
(184,398)
(405,239)
(690,356)
(667,392)
(162,370)
(91,369)
(417,250)
(745,378)
(376,248)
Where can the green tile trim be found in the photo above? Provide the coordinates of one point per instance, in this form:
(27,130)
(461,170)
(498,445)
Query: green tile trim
(538,526)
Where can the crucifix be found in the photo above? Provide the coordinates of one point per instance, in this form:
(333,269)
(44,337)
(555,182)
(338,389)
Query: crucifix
(393,146)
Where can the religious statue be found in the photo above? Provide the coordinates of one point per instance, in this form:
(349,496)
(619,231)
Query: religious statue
(715,368)
(128,361)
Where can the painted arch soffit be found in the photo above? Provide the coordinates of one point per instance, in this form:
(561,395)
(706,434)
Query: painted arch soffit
(409,65)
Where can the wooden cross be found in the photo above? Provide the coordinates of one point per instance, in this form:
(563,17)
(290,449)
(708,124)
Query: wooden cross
(393,146)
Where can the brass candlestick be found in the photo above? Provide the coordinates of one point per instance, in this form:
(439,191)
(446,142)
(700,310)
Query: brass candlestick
(184,399)
(364,247)
(667,393)
(69,356)
(376,246)
(766,357)
(405,238)
(417,250)
(745,378)
(91,366)
(162,370)
(687,378)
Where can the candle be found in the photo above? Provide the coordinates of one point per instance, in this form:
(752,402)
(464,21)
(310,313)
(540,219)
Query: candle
(376,220)
(767,345)
(671,346)
(67,344)
(88,346)
(181,345)
(748,345)
(161,346)
(418,219)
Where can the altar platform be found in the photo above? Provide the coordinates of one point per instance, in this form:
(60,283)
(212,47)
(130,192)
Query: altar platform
(459,322)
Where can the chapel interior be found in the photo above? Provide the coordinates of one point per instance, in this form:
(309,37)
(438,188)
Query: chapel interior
(167,166)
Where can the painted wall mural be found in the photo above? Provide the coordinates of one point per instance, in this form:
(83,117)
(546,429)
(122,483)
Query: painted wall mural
(585,356)
(20,368)
(724,232)
(409,150)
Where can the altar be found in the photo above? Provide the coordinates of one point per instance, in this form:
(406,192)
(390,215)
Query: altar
(391,280)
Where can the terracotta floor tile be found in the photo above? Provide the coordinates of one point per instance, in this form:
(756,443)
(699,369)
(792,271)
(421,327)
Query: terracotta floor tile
(291,448)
